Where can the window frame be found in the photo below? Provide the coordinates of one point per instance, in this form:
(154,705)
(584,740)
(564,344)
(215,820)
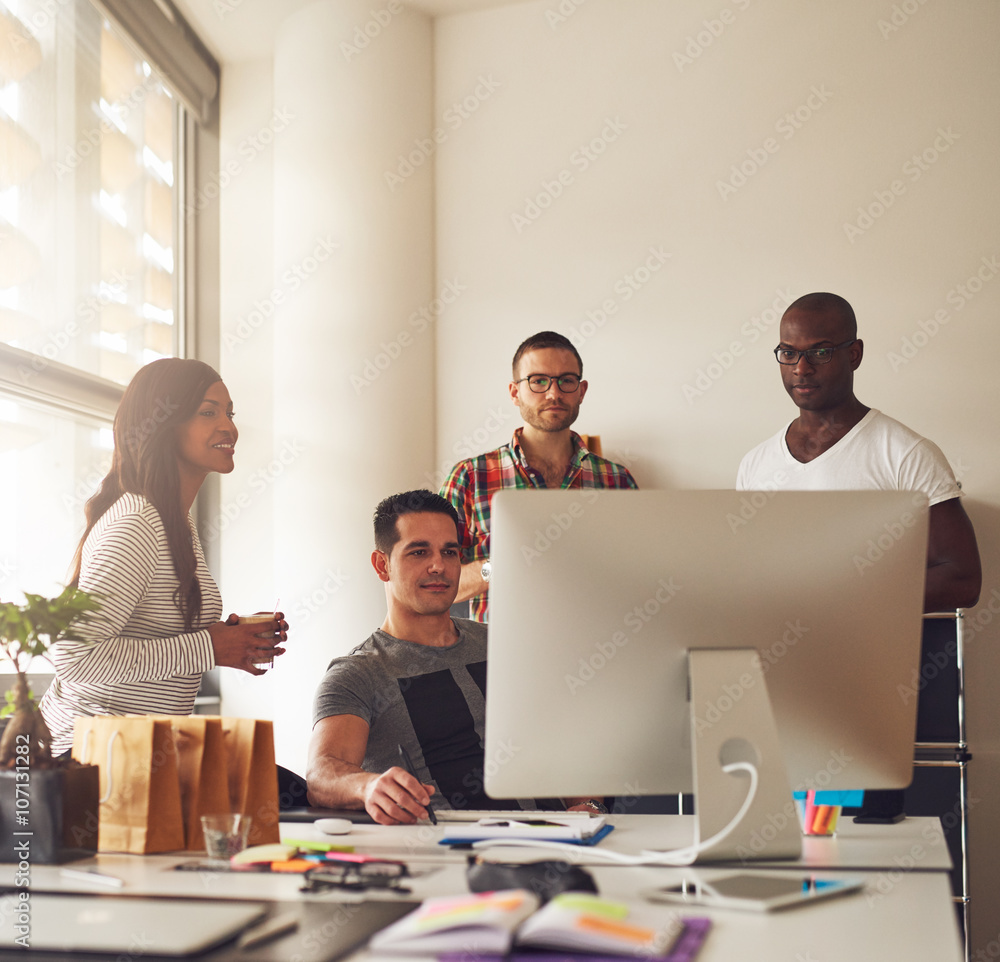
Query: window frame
(64,389)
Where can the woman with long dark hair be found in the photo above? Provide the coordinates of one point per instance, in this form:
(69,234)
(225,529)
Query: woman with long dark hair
(158,629)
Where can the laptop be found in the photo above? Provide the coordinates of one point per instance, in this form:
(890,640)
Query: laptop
(120,927)
(128,927)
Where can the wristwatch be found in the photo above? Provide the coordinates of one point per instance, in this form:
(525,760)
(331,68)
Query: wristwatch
(487,570)
(596,806)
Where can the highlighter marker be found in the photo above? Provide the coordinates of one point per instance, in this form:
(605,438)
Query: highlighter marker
(810,815)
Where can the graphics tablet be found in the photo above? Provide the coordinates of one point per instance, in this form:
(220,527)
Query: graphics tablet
(310,814)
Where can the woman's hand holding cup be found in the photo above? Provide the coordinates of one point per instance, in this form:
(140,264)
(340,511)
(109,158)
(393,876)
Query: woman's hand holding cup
(240,642)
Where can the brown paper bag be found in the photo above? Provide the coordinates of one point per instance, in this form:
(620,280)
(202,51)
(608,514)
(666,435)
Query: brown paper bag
(253,775)
(140,802)
(203,772)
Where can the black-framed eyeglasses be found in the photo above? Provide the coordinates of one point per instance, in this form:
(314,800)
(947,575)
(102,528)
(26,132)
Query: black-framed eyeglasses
(540,383)
(357,876)
(815,355)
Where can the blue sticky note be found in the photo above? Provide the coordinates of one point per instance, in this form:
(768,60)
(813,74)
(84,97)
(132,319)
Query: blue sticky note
(852,799)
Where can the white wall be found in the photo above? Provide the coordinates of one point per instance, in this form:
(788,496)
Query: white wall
(322,267)
(682,379)
(244,526)
(656,185)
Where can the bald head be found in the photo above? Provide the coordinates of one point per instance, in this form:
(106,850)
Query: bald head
(829,306)
(821,322)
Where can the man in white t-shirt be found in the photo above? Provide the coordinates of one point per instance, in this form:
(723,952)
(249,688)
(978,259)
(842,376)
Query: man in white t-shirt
(837,443)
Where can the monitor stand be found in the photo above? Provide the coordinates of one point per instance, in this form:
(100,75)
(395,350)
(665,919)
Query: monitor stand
(732,721)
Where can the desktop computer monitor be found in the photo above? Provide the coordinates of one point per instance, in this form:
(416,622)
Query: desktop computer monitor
(603,602)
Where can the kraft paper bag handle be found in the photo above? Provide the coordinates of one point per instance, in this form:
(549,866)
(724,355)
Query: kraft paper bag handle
(86,753)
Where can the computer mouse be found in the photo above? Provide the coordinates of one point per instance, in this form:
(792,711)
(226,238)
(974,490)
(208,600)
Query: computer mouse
(333,826)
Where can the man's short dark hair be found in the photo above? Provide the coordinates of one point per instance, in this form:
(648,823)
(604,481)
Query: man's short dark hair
(542,340)
(409,502)
(822,302)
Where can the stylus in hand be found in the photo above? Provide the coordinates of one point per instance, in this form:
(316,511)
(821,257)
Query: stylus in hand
(404,756)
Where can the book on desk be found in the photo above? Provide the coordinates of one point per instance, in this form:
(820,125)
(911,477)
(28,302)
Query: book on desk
(489,925)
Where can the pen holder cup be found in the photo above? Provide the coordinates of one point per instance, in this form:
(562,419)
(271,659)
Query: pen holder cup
(225,835)
(816,818)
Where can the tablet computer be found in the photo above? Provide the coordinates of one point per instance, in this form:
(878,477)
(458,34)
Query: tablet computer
(755,892)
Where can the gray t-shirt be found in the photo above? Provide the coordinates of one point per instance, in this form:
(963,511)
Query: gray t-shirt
(432,701)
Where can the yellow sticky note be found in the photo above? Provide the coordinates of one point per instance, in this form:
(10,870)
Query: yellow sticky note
(591,904)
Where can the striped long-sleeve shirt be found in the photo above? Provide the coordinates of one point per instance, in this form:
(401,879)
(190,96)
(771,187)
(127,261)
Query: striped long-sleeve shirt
(471,485)
(134,656)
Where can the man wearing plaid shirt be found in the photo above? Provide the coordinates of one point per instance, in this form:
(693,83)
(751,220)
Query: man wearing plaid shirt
(547,388)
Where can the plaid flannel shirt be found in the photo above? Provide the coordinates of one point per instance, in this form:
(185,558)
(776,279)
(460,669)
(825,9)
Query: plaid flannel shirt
(472,483)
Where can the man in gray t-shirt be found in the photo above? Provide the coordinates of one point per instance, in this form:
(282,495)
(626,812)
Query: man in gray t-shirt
(430,699)
(418,683)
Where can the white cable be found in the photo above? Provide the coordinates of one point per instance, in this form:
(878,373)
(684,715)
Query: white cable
(690,853)
(680,856)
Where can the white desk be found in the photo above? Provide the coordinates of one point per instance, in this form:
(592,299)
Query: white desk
(905,911)
(916,843)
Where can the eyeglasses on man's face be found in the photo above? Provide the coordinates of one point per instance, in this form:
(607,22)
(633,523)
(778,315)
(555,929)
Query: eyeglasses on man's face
(540,383)
(815,355)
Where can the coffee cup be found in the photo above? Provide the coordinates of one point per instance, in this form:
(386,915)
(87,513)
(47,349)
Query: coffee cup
(262,659)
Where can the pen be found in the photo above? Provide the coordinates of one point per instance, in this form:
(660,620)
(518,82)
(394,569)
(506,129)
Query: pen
(92,875)
(408,765)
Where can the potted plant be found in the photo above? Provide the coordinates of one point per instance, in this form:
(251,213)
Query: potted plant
(48,807)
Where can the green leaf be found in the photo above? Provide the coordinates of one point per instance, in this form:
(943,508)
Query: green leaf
(29,630)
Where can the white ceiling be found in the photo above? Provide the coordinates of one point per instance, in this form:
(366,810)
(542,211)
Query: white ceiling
(237,30)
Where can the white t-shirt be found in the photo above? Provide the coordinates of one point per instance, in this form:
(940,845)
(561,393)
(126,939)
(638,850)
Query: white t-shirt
(878,453)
